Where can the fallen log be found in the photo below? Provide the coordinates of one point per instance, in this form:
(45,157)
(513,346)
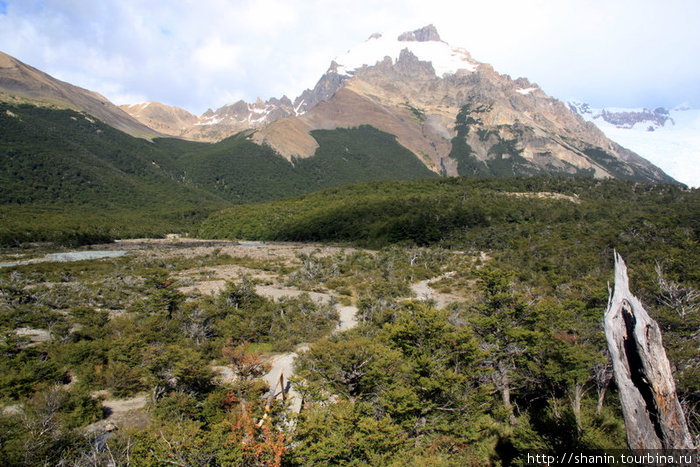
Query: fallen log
(653,415)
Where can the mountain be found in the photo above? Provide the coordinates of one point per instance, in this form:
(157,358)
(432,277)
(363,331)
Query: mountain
(457,115)
(20,82)
(424,110)
(668,138)
(165,119)
(211,126)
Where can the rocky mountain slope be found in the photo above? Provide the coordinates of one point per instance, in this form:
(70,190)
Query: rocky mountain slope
(166,119)
(457,115)
(21,83)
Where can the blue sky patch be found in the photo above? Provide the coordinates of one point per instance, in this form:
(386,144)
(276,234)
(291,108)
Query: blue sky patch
(3,8)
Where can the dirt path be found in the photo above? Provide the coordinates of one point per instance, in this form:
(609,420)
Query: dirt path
(423,291)
(282,368)
(283,364)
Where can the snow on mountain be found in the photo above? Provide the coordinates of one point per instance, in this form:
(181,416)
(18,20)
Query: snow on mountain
(668,139)
(426,46)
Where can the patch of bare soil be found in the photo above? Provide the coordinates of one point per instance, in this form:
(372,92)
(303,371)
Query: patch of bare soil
(348,318)
(277,292)
(212,279)
(424,291)
(545,195)
(121,414)
(191,247)
(35,336)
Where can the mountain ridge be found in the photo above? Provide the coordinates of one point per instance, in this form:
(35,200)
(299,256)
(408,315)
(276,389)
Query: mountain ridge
(20,82)
(456,115)
(415,86)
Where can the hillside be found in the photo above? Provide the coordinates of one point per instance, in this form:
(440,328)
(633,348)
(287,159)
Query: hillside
(67,176)
(241,171)
(21,83)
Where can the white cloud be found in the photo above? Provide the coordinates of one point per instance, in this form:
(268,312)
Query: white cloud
(214,56)
(195,54)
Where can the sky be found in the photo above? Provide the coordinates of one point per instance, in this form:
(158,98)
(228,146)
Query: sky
(200,54)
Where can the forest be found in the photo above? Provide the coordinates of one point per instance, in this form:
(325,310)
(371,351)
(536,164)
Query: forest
(68,178)
(505,358)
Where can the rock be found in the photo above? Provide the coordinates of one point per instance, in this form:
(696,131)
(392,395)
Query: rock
(409,65)
(425,34)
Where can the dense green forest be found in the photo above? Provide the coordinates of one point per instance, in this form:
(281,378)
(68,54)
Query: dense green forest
(69,178)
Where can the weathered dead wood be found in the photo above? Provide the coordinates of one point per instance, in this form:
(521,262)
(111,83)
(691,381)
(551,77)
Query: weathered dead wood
(653,416)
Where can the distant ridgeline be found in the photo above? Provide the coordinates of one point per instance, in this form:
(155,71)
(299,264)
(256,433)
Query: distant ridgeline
(482,213)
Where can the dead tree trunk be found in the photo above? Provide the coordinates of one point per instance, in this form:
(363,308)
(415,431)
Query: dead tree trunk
(653,416)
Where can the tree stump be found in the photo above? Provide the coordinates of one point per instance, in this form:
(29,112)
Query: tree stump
(653,416)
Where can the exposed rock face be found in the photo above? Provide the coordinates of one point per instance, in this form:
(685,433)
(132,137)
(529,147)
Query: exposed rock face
(458,116)
(324,90)
(428,33)
(20,82)
(290,137)
(168,120)
(237,117)
(214,125)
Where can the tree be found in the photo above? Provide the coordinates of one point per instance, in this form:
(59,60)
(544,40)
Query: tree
(501,322)
(347,433)
(653,416)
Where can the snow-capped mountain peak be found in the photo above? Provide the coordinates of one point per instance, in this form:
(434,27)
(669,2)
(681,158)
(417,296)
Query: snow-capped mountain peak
(424,43)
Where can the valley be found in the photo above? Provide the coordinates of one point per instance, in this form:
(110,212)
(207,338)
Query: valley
(420,245)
